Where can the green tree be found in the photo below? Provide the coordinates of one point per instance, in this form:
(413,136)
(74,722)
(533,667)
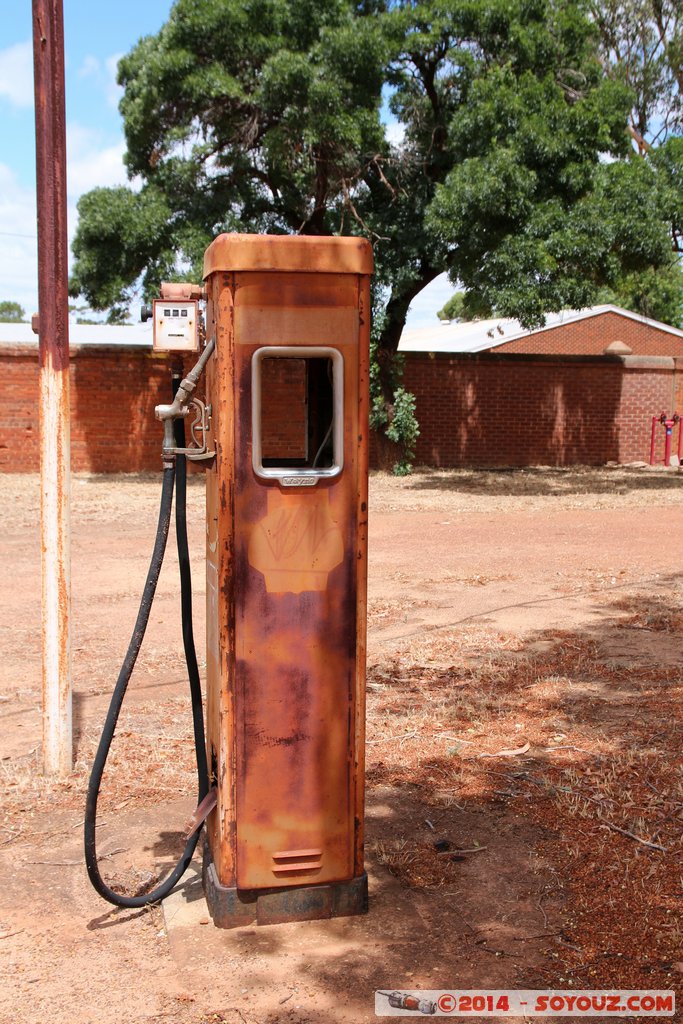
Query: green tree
(464,306)
(11,313)
(264,115)
(657,294)
(641,44)
(242,116)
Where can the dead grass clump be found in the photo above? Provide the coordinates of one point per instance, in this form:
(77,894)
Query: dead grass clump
(420,865)
(653,613)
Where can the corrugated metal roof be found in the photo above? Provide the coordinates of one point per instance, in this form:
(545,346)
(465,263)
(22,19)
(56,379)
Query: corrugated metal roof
(480,335)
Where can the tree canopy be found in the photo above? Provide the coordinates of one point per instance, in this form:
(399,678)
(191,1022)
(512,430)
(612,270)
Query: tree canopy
(506,160)
(641,44)
(462,306)
(11,312)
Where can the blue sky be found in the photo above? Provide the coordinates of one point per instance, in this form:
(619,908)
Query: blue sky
(96,35)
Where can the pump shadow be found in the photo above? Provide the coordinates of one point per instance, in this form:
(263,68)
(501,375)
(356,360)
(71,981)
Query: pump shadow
(113,918)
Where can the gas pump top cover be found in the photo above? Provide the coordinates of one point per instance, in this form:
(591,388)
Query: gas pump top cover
(294,253)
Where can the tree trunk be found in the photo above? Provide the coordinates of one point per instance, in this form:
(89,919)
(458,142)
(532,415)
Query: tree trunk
(387,452)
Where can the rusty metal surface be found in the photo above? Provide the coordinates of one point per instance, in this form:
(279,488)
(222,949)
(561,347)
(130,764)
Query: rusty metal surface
(363,440)
(181,291)
(219,581)
(288,253)
(48,56)
(286,583)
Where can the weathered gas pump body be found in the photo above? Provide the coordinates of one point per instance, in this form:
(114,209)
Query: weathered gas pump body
(286,576)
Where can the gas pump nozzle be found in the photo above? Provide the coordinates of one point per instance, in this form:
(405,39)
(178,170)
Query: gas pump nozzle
(180,406)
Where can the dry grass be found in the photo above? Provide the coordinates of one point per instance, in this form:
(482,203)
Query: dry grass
(448,491)
(657,614)
(452,491)
(602,776)
(151,762)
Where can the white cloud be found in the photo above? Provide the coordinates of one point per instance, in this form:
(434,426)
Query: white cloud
(88,164)
(16,74)
(114,90)
(424,307)
(90,68)
(18,244)
(103,73)
(395,133)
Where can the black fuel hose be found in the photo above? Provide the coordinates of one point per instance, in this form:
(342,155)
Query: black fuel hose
(186,616)
(179,473)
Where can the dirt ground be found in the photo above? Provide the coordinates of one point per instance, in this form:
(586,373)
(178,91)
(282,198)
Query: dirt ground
(525,775)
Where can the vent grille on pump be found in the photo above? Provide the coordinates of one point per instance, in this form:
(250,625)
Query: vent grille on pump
(297,862)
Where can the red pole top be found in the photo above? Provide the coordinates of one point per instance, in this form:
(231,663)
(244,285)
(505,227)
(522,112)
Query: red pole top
(53,297)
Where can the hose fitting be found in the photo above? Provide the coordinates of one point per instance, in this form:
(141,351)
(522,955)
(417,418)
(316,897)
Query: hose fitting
(179,407)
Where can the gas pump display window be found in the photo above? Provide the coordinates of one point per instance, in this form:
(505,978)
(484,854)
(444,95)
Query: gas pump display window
(297,419)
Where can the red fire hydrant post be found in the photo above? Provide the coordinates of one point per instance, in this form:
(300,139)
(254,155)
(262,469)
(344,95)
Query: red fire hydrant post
(669,422)
(653,439)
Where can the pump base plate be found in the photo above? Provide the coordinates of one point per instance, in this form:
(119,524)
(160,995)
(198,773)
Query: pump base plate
(233,908)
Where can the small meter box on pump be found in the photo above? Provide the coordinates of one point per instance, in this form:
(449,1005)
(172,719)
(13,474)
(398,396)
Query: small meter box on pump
(175,318)
(286,575)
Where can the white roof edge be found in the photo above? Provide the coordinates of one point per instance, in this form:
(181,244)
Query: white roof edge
(560,319)
(572,315)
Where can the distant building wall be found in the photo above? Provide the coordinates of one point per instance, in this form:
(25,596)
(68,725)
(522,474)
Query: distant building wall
(515,410)
(591,336)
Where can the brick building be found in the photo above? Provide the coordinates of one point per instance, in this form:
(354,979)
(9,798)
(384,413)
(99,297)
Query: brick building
(116,380)
(581,390)
(488,394)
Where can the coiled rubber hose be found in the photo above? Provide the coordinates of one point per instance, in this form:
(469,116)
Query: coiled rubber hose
(179,474)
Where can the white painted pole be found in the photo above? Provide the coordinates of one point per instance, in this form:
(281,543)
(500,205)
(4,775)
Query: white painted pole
(56,570)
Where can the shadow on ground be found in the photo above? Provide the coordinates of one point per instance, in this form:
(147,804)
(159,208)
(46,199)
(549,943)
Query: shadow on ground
(540,481)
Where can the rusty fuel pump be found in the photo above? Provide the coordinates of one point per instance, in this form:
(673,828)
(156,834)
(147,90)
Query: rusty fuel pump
(283,435)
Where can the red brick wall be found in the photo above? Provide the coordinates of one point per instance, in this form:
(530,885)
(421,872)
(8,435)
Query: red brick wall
(645,393)
(678,387)
(113,394)
(283,398)
(502,410)
(593,334)
(19,440)
(491,409)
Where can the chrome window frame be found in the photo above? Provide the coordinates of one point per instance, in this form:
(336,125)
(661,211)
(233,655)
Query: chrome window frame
(288,475)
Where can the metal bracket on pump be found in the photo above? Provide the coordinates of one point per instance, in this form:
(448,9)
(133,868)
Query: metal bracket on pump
(201,425)
(180,407)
